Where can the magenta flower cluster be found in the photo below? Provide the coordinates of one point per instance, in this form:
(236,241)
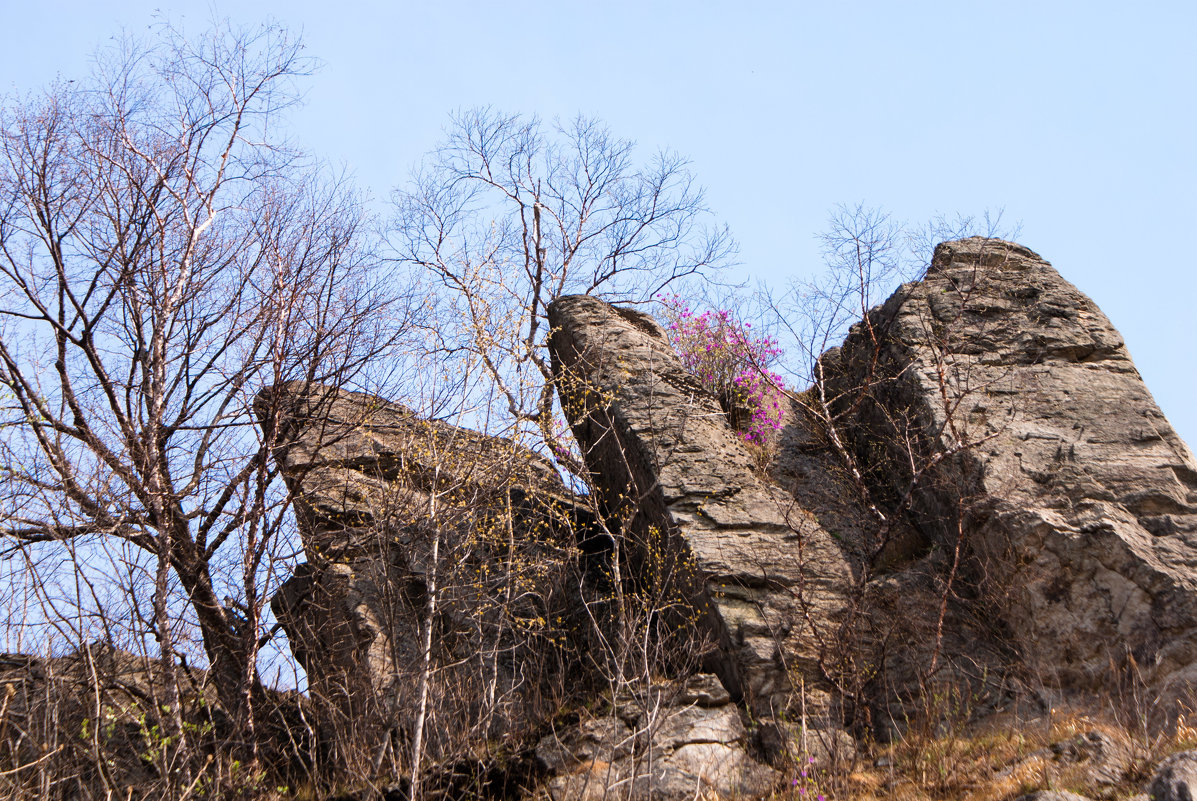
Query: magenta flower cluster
(731,363)
(807,780)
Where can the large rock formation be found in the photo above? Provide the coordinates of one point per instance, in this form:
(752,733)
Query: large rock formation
(374,486)
(985,498)
(764,581)
(1077,501)
(395,510)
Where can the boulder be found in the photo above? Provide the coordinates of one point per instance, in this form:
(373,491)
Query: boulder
(671,741)
(1175,779)
(391,507)
(757,581)
(1077,501)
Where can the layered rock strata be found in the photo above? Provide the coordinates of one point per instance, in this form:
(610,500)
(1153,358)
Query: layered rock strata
(761,581)
(1073,499)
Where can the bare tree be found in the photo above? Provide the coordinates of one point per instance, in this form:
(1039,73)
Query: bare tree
(163,256)
(893,455)
(509,213)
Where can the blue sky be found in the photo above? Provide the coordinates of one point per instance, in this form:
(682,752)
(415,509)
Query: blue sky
(1078,119)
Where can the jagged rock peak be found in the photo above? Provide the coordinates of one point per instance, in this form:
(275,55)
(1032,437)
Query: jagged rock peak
(985,252)
(763,578)
(1078,498)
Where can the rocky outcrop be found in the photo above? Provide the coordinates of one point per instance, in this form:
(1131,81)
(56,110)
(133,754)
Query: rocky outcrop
(1077,501)
(761,582)
(395,510)
(82,724)
(373,483)
(988,502)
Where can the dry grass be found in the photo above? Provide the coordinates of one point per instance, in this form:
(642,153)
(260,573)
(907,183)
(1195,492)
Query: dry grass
(999,760)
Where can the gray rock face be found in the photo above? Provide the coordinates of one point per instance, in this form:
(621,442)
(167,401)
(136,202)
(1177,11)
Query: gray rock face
(991,409)
(1079,501)
(1175,779)
(764,580)
(355,461)
(685,743)
(391,506)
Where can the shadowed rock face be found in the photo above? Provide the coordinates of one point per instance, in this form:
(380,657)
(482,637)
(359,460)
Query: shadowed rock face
(764,581)
(388,503)
(1079,499)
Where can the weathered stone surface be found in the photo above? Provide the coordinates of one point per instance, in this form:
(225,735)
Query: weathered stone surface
(355,460)
(1175,779)
(1106,760)
(1094,759)
(661,746)
(703,689)
(827,747)
(900,586)
(1079,500)
(607,738)
(387,504)
(765,580)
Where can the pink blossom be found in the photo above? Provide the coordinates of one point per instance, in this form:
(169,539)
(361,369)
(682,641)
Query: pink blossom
(729,362)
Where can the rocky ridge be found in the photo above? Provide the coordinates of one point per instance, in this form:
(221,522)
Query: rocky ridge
(1040,534)
(1078,500)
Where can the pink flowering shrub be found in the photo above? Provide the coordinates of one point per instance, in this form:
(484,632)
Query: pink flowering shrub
(731,363)
(805,785)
